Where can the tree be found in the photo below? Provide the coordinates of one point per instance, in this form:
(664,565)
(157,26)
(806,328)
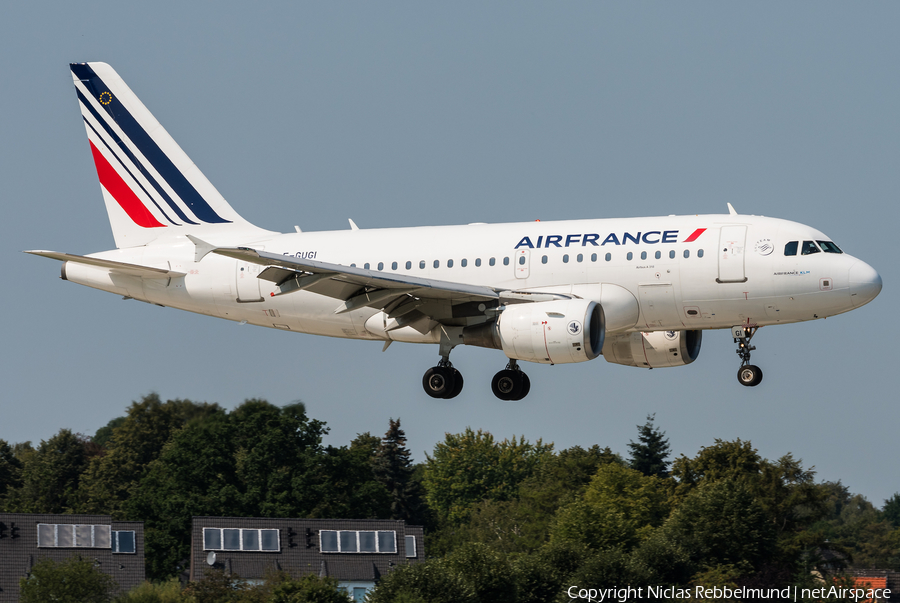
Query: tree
(720,523)
(256,461)
(132,443)
(891,510)
(74,580)
(619,508)
(470,467)
(393,467)
(50,476)
(649,454)
(10,470)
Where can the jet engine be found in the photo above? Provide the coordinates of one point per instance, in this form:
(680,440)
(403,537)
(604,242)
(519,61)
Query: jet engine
(552,332)
(653,350)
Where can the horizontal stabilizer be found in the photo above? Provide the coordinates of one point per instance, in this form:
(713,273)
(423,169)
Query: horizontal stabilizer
(121,267)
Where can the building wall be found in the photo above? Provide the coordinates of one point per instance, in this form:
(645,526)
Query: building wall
(19,554)
(299,551)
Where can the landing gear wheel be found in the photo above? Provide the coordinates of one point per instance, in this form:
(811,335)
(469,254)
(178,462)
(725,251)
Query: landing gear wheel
(526,386)
(749,375)
(507,385)
(440,382)
(458,384)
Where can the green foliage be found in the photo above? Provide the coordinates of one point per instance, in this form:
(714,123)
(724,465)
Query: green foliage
(50,476)
(10,470)
(618,509)
(163,592)
(132,443)
(470,467)
(650,452)
(429,581)
(487,571)
(104,434)
(720,523)
(736,460)
(257,461)
(394,469)
(891,510)
(74,580)
(308,589)
(215,586)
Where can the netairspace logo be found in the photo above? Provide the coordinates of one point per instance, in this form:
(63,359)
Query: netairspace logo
(630,593)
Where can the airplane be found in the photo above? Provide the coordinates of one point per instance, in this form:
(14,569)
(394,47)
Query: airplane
(638,291)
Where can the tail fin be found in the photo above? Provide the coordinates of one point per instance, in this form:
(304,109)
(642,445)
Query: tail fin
(151,187)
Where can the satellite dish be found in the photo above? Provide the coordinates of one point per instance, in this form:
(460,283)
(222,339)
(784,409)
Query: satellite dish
(211,558)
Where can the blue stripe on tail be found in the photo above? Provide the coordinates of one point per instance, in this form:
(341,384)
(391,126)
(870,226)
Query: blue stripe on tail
(148,148)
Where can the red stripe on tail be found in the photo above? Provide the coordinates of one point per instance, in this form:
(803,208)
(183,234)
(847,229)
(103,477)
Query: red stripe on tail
(694,235)
(122,193)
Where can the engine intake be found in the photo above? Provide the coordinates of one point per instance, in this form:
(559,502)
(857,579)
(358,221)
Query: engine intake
(552,332)
(653,350)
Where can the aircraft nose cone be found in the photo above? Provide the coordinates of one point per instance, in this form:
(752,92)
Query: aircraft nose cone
(865,284)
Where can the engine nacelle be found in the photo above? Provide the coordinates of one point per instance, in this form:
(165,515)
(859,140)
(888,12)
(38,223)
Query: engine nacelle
(552,332)
(653,350)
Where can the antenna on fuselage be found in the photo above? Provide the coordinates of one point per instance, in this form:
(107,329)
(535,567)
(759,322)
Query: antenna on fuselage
(731,209)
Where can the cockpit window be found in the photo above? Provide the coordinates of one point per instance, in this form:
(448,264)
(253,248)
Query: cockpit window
(809,247)
(790,248)
(829,247)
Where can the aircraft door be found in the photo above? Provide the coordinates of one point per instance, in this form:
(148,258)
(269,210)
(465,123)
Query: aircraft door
(247,282)
(731,254)
(522,263)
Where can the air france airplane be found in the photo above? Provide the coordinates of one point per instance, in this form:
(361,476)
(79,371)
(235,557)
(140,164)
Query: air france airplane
(638,291)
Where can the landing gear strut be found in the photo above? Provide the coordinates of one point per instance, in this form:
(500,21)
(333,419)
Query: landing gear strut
(511,383)
(749,374)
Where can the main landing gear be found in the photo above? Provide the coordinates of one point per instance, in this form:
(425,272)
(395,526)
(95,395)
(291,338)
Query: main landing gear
(749,374)
(511,383)
(444,381)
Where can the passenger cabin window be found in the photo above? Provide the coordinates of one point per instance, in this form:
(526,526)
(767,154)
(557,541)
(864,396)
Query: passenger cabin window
(566,259)
(422,264)
(829,247)
(449,263)
(393,265)
(658,254)
(579,258)
(790,248)
(699,253)
(492,261)
(437,263)
(672,254)
(543,259)
(408,265)
(477,262)
(629,256)
(464,262)
(381,265)
(521,260)
(608,257)
(643,255)
(809,247)
(506,261)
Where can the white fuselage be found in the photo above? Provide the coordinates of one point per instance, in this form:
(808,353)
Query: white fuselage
(732,273)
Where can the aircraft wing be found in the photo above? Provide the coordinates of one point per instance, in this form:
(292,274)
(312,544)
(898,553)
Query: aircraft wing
(122,267)
(358,287)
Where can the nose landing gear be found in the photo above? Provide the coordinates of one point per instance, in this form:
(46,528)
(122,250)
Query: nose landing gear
(749,375)
(511,383)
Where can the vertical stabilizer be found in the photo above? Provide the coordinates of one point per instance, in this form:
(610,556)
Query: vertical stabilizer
(151,187)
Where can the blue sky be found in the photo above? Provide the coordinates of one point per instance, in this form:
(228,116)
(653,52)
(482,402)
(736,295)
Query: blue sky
(404,114)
